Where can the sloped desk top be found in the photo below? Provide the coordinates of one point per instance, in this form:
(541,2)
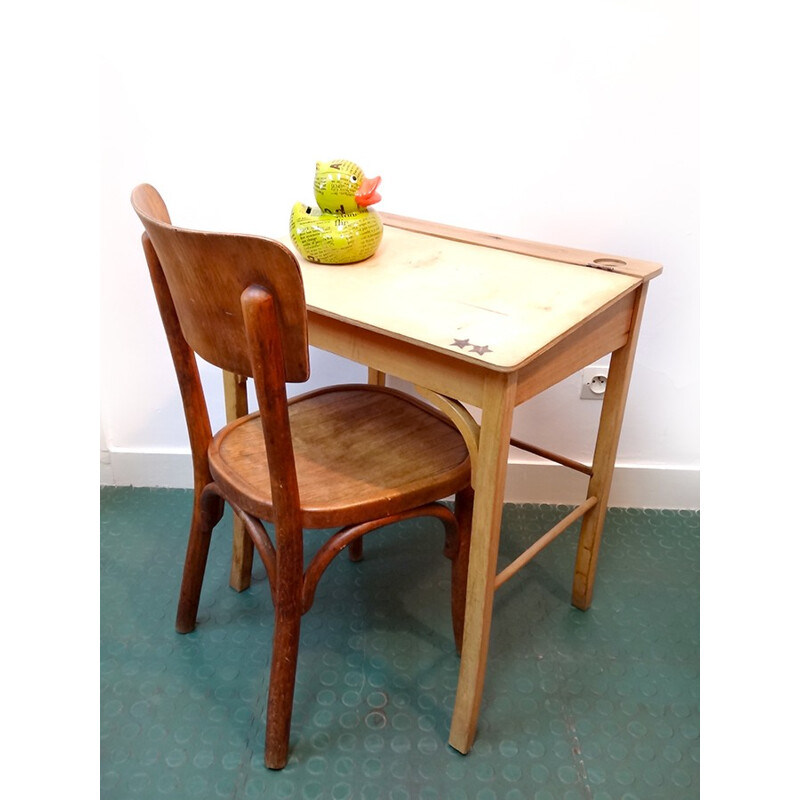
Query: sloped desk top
(481,303)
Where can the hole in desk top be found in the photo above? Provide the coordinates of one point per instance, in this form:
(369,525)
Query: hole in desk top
(609,262)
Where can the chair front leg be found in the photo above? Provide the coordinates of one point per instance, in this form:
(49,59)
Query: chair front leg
(356,549)
(285,645)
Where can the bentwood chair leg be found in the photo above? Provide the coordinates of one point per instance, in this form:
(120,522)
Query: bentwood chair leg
(207,512)
(458,583)
(355,549)
(285,644)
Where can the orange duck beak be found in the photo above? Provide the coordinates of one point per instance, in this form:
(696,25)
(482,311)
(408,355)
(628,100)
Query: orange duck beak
(367,193)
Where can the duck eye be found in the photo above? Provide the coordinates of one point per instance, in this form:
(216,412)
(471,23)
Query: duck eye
(354,179)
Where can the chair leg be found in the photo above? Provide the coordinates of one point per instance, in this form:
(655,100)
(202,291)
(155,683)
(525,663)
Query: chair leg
(356,549)
(207,512)
(285,644)
(463,510)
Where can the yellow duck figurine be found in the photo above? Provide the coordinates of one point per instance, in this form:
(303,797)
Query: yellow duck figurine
(343,229)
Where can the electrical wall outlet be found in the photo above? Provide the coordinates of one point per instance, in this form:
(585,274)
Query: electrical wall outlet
(593,383)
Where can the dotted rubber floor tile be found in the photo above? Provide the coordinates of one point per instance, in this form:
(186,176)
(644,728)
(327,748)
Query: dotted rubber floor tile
(597,705)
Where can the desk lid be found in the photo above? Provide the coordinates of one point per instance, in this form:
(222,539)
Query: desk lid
(468,298)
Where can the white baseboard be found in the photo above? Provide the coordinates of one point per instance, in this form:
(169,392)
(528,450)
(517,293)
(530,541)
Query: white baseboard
(633,487)
(167,470)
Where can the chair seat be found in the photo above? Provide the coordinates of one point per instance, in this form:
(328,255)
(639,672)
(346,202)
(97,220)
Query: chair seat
(346,444)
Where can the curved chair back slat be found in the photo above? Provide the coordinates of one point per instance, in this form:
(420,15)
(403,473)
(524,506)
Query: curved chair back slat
(207,273)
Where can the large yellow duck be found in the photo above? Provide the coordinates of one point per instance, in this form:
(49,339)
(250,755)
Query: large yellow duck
(343,229)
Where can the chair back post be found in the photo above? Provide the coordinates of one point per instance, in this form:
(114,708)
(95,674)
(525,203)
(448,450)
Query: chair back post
(207,273)
(183,358)
(266,352)
(199,278)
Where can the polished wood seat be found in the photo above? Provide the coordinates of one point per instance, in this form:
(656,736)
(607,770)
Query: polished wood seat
(346,441)
(353,458)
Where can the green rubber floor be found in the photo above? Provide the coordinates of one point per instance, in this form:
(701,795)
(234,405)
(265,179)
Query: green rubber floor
(597,705)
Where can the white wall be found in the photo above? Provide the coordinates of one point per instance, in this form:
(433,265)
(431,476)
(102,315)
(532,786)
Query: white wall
(571,123)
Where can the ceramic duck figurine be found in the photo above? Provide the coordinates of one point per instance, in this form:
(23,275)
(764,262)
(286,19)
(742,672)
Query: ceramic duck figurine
(343,229)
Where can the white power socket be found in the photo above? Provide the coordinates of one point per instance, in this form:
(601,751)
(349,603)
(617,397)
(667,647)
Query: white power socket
(593,383)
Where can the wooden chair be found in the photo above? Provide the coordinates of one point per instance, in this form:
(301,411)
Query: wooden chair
(351,457)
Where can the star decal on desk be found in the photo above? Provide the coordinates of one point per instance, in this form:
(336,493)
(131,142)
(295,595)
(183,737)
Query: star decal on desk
(480,349)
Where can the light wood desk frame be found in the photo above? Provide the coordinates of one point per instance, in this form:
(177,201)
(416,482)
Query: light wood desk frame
(449,382)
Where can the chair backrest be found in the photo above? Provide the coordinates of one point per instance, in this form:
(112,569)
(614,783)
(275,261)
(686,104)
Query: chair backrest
(207,273)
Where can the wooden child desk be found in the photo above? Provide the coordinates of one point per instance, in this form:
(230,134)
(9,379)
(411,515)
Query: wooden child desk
(488,321)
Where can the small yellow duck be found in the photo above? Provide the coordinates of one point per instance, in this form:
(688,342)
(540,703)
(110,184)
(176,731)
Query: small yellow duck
(343,229)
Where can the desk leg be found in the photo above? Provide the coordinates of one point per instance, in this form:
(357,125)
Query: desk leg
(235,387)
(356,547)
(375,377)
(605,454)
(488,478)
